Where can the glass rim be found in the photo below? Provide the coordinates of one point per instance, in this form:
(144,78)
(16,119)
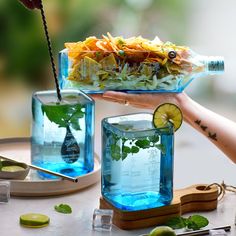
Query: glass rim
(63,91)
(167,129)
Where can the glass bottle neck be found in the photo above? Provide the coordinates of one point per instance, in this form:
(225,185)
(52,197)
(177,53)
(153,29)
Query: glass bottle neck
(213,65)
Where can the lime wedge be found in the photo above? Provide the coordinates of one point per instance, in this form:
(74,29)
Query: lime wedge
(167,112)
(162,231)
(12,168)
(34,220)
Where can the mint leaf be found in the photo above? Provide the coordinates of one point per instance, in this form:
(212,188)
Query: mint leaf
(143,143)
(63,208)
(191,225)
(64,114)
(56,113)
(115,152)
(194,222)
(74,119)
(121,151)
(124,155)
(126,149)
(134,149)
(198,222)
(154,139)
(177,222)
(161,147)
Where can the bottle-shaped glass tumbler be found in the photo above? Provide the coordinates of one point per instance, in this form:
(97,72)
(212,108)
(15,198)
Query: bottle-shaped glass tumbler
(63,132)
(137,162)
(136,66)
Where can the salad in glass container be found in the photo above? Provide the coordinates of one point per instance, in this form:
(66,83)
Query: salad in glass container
(134,64)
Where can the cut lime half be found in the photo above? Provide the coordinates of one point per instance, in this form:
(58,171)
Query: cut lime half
(165,113)
(34,220)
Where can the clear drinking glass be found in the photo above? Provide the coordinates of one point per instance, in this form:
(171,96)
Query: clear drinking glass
(137,162)
(63,132)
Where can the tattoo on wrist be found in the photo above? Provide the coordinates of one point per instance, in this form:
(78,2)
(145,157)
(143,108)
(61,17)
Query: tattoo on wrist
(211,135)
(204,128)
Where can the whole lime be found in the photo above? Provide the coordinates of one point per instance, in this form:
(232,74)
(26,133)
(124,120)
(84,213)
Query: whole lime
(162,231)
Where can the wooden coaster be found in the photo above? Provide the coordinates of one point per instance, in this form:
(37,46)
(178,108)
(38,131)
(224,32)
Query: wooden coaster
(193,198)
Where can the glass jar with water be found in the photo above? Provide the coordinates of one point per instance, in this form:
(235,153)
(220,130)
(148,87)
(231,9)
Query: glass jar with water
(63,133)
(137,162)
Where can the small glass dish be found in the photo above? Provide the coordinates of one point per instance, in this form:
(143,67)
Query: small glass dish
(13,170)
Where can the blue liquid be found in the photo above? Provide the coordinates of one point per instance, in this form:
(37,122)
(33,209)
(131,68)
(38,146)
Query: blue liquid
(142,180)
(48,137)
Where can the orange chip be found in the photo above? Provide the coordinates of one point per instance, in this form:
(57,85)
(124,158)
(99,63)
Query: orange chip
(135,49)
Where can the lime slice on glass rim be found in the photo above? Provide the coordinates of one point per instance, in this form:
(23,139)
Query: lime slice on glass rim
(12,168)
(34,220)
(167,113)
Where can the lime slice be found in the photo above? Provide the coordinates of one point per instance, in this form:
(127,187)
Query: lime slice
(34,220)
(167,112)
(162,231)
(12,168)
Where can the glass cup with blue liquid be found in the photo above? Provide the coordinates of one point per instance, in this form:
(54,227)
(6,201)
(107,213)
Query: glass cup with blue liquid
(137,162)
(62,133)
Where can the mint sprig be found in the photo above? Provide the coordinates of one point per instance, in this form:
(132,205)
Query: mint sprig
(194,222)
(64,115)
(63,208)
(122,147)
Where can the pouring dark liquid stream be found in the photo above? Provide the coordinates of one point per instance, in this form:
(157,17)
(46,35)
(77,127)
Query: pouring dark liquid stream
(70,149)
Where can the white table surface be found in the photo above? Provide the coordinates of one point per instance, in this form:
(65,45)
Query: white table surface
(196,161)
(80,221)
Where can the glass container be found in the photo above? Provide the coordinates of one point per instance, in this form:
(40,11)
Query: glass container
(134,72)
(137,162)
(63,132)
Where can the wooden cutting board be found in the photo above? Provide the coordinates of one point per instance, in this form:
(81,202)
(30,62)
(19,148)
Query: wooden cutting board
(191,199)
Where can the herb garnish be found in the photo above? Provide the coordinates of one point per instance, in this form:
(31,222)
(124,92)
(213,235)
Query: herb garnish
(64,115)
(194,222)
(63,208)
(122,147)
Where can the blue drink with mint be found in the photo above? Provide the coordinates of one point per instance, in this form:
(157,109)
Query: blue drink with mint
(62,133)
(137,162)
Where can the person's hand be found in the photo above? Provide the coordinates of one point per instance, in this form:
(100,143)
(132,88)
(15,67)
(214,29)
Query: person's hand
(32,4)
(146,101)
